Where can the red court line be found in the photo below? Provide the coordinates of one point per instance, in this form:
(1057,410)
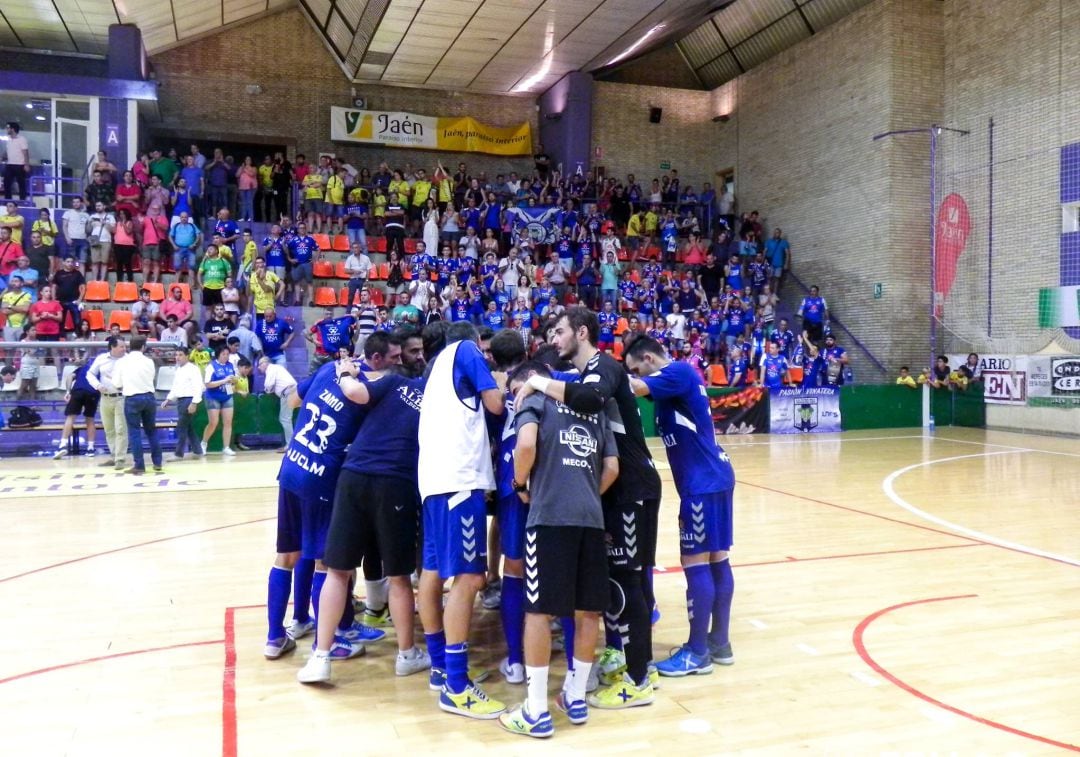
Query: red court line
(133,546)
(228,687)
(866,512)
(118,655)
(860,647)
(855,554)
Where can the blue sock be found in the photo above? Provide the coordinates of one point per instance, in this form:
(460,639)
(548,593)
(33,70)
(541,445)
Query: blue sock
(317,582)
(348,615)
(612,637)
(457,667)
(568,639)
(512,611)
(724,581)
(436,647)
(302,574)
(278,586)
(700,593)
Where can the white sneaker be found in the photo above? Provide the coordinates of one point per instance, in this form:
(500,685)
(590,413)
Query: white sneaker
(594,679)
(513,673)
(61,451)
(298,629)
(317,670)
(411,662)
(227,451)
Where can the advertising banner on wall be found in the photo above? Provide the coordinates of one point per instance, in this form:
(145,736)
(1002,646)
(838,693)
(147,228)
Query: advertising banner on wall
(1042,380)
(742,412)
(801,411)
(457,134)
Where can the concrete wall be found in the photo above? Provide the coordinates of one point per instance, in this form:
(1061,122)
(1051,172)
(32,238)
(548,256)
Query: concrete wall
(203,95)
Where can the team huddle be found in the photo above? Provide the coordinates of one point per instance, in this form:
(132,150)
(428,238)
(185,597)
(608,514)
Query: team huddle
(398,461)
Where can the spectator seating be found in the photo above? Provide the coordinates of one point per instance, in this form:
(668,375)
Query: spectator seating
(325,297)
(121,318)
(125,291)
(69,371)
(96,319)
(157,290)
(165,376)
(97,291)
(717,375)
(322,269)
(340,243)
(343,297)
(323,240)
(47,379)
(339,270)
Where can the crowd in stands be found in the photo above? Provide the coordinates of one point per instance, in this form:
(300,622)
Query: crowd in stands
(405,246)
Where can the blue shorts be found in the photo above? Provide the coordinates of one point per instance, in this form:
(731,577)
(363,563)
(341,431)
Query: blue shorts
(705,523)
(512,514)
(455,533)
(302,524)
(330,210)
(216,404)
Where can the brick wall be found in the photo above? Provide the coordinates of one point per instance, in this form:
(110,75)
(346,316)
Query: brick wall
(202,94)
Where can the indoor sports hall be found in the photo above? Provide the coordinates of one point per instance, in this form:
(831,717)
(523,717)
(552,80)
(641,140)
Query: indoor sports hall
(858,221)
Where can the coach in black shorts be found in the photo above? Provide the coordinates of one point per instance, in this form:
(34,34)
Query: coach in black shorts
(567,458)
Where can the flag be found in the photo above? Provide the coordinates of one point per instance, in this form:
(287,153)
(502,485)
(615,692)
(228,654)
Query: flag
(538,223)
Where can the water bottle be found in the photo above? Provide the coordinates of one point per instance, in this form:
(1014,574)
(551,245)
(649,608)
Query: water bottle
(930,425)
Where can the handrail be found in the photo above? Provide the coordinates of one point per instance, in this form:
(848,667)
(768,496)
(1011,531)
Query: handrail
(854,339)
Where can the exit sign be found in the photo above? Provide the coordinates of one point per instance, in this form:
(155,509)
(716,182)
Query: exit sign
(665,166)
(879,290)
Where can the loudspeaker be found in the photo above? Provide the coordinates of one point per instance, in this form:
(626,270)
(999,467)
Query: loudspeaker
(655,114)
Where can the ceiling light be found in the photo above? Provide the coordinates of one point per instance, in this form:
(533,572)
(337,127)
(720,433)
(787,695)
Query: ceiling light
(29,106)
(630,50)
(545,67)
(39,118)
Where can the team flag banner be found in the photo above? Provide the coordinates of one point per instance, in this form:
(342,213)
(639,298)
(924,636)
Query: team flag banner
(457,134)
(1059,307)
(800,411)
(739,412)
(538,223)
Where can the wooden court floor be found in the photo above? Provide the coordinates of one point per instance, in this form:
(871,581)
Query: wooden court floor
(895,593)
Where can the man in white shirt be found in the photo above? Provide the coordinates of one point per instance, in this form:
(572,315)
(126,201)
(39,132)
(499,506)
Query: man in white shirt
(17,161)
(173,334)
(187,390)
(74,224)
(511,268)
(100,236)
(113,423)
(279,381)
(358,266)
(133,375)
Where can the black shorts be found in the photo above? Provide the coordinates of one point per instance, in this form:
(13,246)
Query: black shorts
(373,515)
(624,527)
(211,297)
(650,526)
(565,570)
(815,332)
(82,403)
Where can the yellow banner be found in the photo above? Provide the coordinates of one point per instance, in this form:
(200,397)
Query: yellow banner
(452,134)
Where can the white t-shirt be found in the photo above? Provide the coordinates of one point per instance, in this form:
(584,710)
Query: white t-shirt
(677,323)
(511,272)
(17,150)
(74,223)
(99,226)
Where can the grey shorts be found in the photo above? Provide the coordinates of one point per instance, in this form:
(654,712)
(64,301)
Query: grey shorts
(213,404)
(302,272)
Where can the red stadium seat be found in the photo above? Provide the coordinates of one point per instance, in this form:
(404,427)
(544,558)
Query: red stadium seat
(322,269)
(325,297)
(717,375)
(340,243)
(121,318)
(323,240)
(96,319)
(125,291)
(97,291)
(157,290)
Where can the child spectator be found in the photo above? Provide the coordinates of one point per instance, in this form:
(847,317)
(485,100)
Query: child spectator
(906,379)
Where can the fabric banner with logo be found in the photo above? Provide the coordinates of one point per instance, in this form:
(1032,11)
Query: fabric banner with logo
(452,134)
(538,223)
(799,410)
(743,411)
(1059,307)
(1040,380)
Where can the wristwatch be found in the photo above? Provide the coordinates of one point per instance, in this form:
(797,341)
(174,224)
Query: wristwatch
(518,488)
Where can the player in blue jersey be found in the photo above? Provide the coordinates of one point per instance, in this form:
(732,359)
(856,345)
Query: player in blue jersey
(327,423)
(375,505)
(774,372)
(705,481)
(507,352)
(813,365)
(814,312)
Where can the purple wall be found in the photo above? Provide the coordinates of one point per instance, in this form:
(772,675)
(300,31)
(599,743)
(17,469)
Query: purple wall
(113,130)
(566,121)
(1070,243)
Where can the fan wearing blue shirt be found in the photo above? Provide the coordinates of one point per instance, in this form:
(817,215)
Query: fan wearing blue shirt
(774,369)
(301,251)
(705,481)
(275,334)
(815,315)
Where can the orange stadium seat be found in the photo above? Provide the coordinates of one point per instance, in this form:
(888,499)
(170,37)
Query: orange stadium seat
(796,375)
(410,246)
(621,326)
(323,240)
(343,297)
(185,290)
(121,318)
(617,349)
(377,245)
(322,269)
(380,272)
(325,297)
(96,319)
(751,376)
(340,243)
(717,375)
(378,298)
(157,290)
(97,291)
(125,291)
(339,270)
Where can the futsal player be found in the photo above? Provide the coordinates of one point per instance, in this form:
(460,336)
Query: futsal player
(631,509)
(376,508)
(327,422)
(508,352)
(705,481)
(563,462)
(455,471)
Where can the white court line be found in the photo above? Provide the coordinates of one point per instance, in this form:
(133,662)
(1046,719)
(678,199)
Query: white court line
(757,624)
(890,492)
(1009,447)
(808,441)
(807,649)
(864,677)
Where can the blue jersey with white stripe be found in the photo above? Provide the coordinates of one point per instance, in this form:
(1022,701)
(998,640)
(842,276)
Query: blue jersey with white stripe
(507,440)
(327,423)
(684,420)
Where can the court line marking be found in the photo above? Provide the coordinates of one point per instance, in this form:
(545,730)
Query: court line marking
(229,743)
(807,649)
(888,487)
(132,546)
(89,660)
(858,640)
(807,441)
(1010,447)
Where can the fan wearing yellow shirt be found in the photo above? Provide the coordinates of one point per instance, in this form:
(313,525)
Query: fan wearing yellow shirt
(378,209)
(45,226)
(13,221)
(266,188)
(906,379)
(652,221)
(313,199)
(399,189)
(421,191)
(335,202)
(633,234)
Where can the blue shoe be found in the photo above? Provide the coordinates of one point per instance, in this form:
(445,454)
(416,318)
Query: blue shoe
(518,721)
(437,677)
(358,632)
(655,614)
(577,711)
(471,703)
(683,662)
(343,649)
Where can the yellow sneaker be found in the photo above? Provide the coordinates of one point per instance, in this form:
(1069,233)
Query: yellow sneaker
(621,695)
(472,703)
(611,666)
